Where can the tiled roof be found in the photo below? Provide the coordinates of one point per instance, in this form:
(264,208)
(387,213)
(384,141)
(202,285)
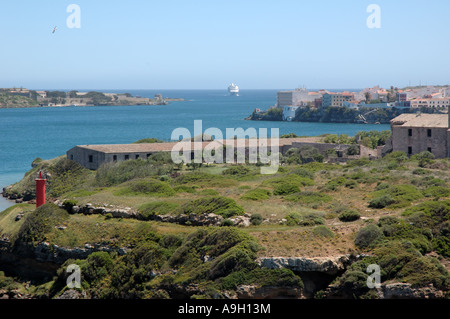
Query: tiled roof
(168,146)
(421,120)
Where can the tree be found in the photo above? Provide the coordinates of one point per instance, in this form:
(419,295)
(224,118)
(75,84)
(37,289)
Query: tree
(368,97)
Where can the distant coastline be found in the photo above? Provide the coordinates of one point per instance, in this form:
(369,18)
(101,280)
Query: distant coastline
(24,98)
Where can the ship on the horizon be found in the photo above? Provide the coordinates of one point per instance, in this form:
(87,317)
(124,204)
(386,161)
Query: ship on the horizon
(233,89)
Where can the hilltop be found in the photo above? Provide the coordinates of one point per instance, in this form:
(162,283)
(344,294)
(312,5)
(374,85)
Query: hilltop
(152,229)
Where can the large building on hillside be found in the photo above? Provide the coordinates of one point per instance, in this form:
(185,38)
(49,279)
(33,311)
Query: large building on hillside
(93,156)
(415,133)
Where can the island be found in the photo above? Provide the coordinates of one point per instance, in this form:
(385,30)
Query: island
(21,97)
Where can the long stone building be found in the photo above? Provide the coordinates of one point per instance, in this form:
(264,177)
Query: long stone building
(93,156)
(415,133)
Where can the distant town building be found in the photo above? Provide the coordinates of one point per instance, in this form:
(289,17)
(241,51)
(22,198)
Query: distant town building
(415,133)
(298,97)
(431,102)
(289,112)
(336,99)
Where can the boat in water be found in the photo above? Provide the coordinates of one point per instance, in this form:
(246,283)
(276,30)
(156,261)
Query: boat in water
(233,89)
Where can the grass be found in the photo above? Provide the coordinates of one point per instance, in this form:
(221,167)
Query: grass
(9,227)
(358,183)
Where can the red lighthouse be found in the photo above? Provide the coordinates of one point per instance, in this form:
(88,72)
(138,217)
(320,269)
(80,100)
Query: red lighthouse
(40,190)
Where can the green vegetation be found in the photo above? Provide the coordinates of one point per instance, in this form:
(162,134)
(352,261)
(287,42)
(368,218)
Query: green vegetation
(308,197)
(147,211)
(400,195)
(40,223)
(148,140)
(368,236)
(309,219)
(391,210)
(257,194)
(146,187)
(349,216)
(219,205)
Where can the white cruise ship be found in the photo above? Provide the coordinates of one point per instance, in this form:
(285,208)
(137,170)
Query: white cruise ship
(233,89)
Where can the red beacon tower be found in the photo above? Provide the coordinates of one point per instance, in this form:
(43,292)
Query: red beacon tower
(40,190)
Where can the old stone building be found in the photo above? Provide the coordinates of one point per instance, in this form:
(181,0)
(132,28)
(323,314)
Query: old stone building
(93,156)
(415,133)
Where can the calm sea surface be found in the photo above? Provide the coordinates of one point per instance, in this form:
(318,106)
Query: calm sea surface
(49,132)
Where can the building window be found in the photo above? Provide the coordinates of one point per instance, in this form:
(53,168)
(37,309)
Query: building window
(409,150)
(115,158)
(71,157)
(409,132)
(137,156)
(148,155)
(429,150)
(127,157)
(91,158)
(429,132)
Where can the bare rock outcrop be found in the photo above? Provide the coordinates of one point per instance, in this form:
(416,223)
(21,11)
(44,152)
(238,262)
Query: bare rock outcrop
(327,265)
(406,291)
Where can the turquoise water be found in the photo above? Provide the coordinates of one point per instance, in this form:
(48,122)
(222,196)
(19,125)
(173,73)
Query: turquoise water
(49,132)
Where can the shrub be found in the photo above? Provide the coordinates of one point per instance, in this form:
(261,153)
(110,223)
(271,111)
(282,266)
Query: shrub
(239,170)
(437,191)
(184,189)
(303,172)
(312,219)
(420,171)
(97,266)
(148,140)
(147,187)
(208,192)
(353,150)
(424,158)
(111,174)
(398,194)
(304,154)
(41,222)
(323,231)
(349,216)
(262,277)
(195,178)
(381,201)
(257,194)
(227,223)
(286,189)
(160,158)
(219,205)
(368,236)
(147,211)
(382,185)
(256,219)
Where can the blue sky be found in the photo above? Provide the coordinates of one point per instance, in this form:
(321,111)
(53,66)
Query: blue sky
(171,44)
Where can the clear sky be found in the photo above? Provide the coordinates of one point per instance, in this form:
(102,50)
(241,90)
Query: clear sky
(207,44)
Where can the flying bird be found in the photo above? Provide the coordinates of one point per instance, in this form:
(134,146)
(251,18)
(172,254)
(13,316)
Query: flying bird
(54,29)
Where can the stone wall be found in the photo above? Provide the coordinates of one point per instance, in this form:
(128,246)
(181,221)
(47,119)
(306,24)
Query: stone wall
(419,141)
(81,156)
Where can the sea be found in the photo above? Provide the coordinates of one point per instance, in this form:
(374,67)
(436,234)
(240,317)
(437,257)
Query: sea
(48,132)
